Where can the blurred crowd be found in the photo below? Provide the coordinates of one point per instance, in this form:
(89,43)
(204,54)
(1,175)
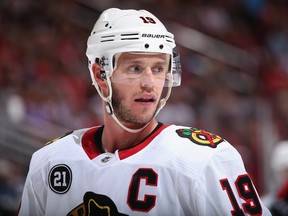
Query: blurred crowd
(44,74)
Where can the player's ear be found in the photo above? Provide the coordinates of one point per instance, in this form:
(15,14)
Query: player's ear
(99,76)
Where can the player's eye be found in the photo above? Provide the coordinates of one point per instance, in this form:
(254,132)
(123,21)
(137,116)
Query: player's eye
(158,70)
(135,69)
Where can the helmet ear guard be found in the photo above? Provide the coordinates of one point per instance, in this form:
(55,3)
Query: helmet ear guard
(102,72)
(176,69)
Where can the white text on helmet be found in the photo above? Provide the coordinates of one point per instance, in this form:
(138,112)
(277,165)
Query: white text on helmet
(153,35)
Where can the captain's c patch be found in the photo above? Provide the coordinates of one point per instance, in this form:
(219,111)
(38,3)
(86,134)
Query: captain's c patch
(200,137)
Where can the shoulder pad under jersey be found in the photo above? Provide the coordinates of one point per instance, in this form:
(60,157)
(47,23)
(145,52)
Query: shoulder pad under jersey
(57,138)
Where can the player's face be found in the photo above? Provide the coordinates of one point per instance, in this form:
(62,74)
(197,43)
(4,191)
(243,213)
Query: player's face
(137,86)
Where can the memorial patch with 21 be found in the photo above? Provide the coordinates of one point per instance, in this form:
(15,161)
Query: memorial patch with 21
(60,178)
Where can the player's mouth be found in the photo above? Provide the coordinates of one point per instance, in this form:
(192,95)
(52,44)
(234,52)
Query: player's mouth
(145,99)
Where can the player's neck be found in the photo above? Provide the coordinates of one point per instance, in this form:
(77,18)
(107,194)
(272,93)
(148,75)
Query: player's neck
(116,138)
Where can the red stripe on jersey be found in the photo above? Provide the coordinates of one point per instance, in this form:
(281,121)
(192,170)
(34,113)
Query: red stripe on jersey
(89,145)
(133,150)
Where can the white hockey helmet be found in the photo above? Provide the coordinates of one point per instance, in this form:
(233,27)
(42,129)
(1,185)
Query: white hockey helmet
(117,31)
(138,31)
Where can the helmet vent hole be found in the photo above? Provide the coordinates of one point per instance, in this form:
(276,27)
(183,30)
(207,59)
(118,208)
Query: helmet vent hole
(146,46)
(161,46)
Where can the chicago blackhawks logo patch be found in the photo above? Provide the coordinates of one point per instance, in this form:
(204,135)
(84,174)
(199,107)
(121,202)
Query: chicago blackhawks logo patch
(96,204)
(200,137)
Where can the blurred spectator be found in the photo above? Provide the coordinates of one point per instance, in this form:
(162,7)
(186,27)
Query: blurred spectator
(11,186)
(277,200)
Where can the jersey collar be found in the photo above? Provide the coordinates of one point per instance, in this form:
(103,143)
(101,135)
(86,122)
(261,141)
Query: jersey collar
(92,142)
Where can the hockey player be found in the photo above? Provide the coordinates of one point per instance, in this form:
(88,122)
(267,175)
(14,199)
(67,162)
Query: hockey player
(132,164)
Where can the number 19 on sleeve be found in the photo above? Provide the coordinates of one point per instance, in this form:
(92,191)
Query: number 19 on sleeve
(247,192)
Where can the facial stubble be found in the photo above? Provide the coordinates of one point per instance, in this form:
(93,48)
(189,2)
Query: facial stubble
(127,115)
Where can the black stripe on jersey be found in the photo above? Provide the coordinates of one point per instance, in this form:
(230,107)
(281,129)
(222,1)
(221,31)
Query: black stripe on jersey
(99,131)
(98,139)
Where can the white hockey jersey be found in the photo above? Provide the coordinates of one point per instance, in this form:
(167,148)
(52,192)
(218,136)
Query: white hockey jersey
(175,171)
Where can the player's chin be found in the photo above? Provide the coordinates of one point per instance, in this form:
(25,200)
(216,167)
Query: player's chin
(145,119)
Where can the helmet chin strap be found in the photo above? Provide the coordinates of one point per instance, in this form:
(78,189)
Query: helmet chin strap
(110,110)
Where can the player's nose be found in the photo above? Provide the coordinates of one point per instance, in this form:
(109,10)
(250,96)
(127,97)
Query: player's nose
(147,79)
